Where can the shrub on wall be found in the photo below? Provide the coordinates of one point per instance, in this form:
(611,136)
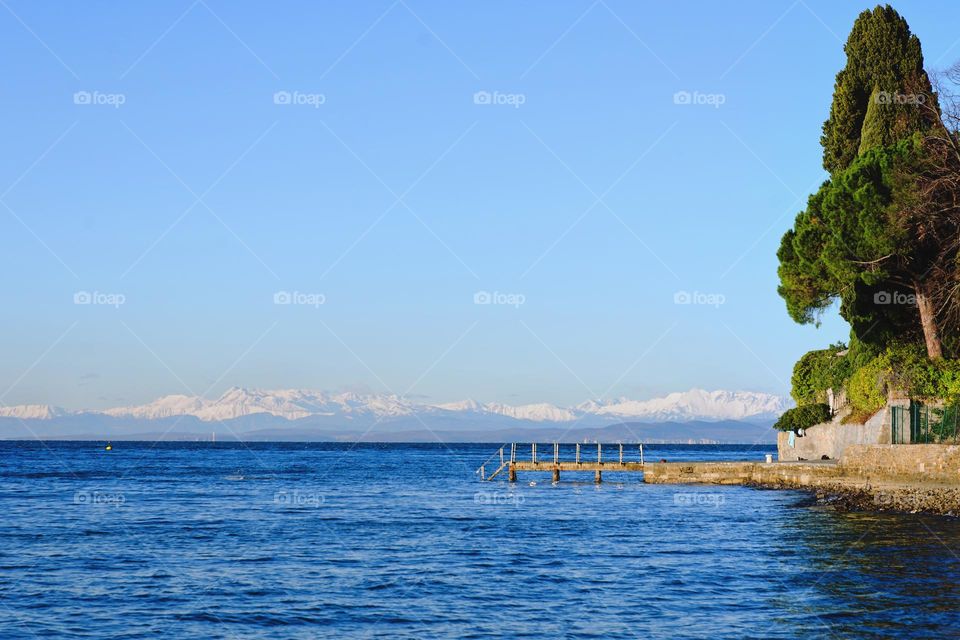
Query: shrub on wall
(803,417)
(818,371)
(913,374)
(869,376)
(867,387)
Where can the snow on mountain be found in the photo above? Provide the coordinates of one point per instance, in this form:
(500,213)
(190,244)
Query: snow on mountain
(32,412)
(237,402)
(541,412)
(165,407)
(291,404)
(698,404)
(294,404)
(462,405)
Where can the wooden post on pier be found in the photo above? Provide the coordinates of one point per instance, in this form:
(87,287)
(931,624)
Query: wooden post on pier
(556,462)
(511,464)
(597,476)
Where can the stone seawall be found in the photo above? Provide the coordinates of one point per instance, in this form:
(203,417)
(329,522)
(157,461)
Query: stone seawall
(831,439)
(930,463)
(924,478)
(777,474)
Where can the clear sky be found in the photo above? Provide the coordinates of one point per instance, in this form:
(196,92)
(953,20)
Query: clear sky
(189,161)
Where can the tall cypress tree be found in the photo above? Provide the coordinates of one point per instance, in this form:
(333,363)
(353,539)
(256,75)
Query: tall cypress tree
(862,240)
(884,68)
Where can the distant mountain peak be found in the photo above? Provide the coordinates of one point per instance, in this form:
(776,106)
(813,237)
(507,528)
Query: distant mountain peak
(33,412)
(295,404)
(698,404)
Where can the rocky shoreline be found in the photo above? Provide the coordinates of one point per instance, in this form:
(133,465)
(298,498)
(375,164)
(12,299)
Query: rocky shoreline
(943,501)
(866,498)
(871,478)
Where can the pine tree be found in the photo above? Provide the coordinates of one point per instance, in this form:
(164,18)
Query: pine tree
(877,233)
(884,69)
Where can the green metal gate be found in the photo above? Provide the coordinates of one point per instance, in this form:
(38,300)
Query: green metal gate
(899,424)
(923,424)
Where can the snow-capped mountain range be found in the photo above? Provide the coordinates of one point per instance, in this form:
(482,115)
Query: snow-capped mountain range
(296,404)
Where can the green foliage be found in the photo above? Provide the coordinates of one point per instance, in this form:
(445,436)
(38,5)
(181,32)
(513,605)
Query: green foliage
(876,234)
(803,417)
(805,283)
(847,246)
(867,387)
(883,59)
(949,383)
(883,109)
(818,371)
(918,377)
(905,369)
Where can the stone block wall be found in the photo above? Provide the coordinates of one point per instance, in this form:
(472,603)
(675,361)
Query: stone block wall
(832,438)
(933,463)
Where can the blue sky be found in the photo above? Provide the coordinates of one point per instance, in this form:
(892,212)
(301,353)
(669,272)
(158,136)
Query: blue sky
(186,162)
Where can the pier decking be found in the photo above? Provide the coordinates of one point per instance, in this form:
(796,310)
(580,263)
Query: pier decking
(587,457)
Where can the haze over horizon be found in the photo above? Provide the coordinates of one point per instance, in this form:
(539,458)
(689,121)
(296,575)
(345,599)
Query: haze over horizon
(410,197)
(693,404)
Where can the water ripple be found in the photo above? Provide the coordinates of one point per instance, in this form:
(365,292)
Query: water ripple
(400,541)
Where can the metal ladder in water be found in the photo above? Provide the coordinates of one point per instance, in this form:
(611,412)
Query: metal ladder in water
(504,462)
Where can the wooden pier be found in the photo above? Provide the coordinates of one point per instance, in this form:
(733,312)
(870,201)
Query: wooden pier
(588,457)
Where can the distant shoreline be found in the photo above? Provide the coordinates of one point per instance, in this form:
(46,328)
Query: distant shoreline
(765,446)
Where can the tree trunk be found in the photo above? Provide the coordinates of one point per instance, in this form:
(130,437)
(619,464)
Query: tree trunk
(928,321)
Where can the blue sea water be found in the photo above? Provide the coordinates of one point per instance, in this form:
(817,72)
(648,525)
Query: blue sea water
(203,540)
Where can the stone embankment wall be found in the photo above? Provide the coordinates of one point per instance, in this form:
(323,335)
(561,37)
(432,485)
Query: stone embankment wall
(831,439)
(929,463)
(872,477)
